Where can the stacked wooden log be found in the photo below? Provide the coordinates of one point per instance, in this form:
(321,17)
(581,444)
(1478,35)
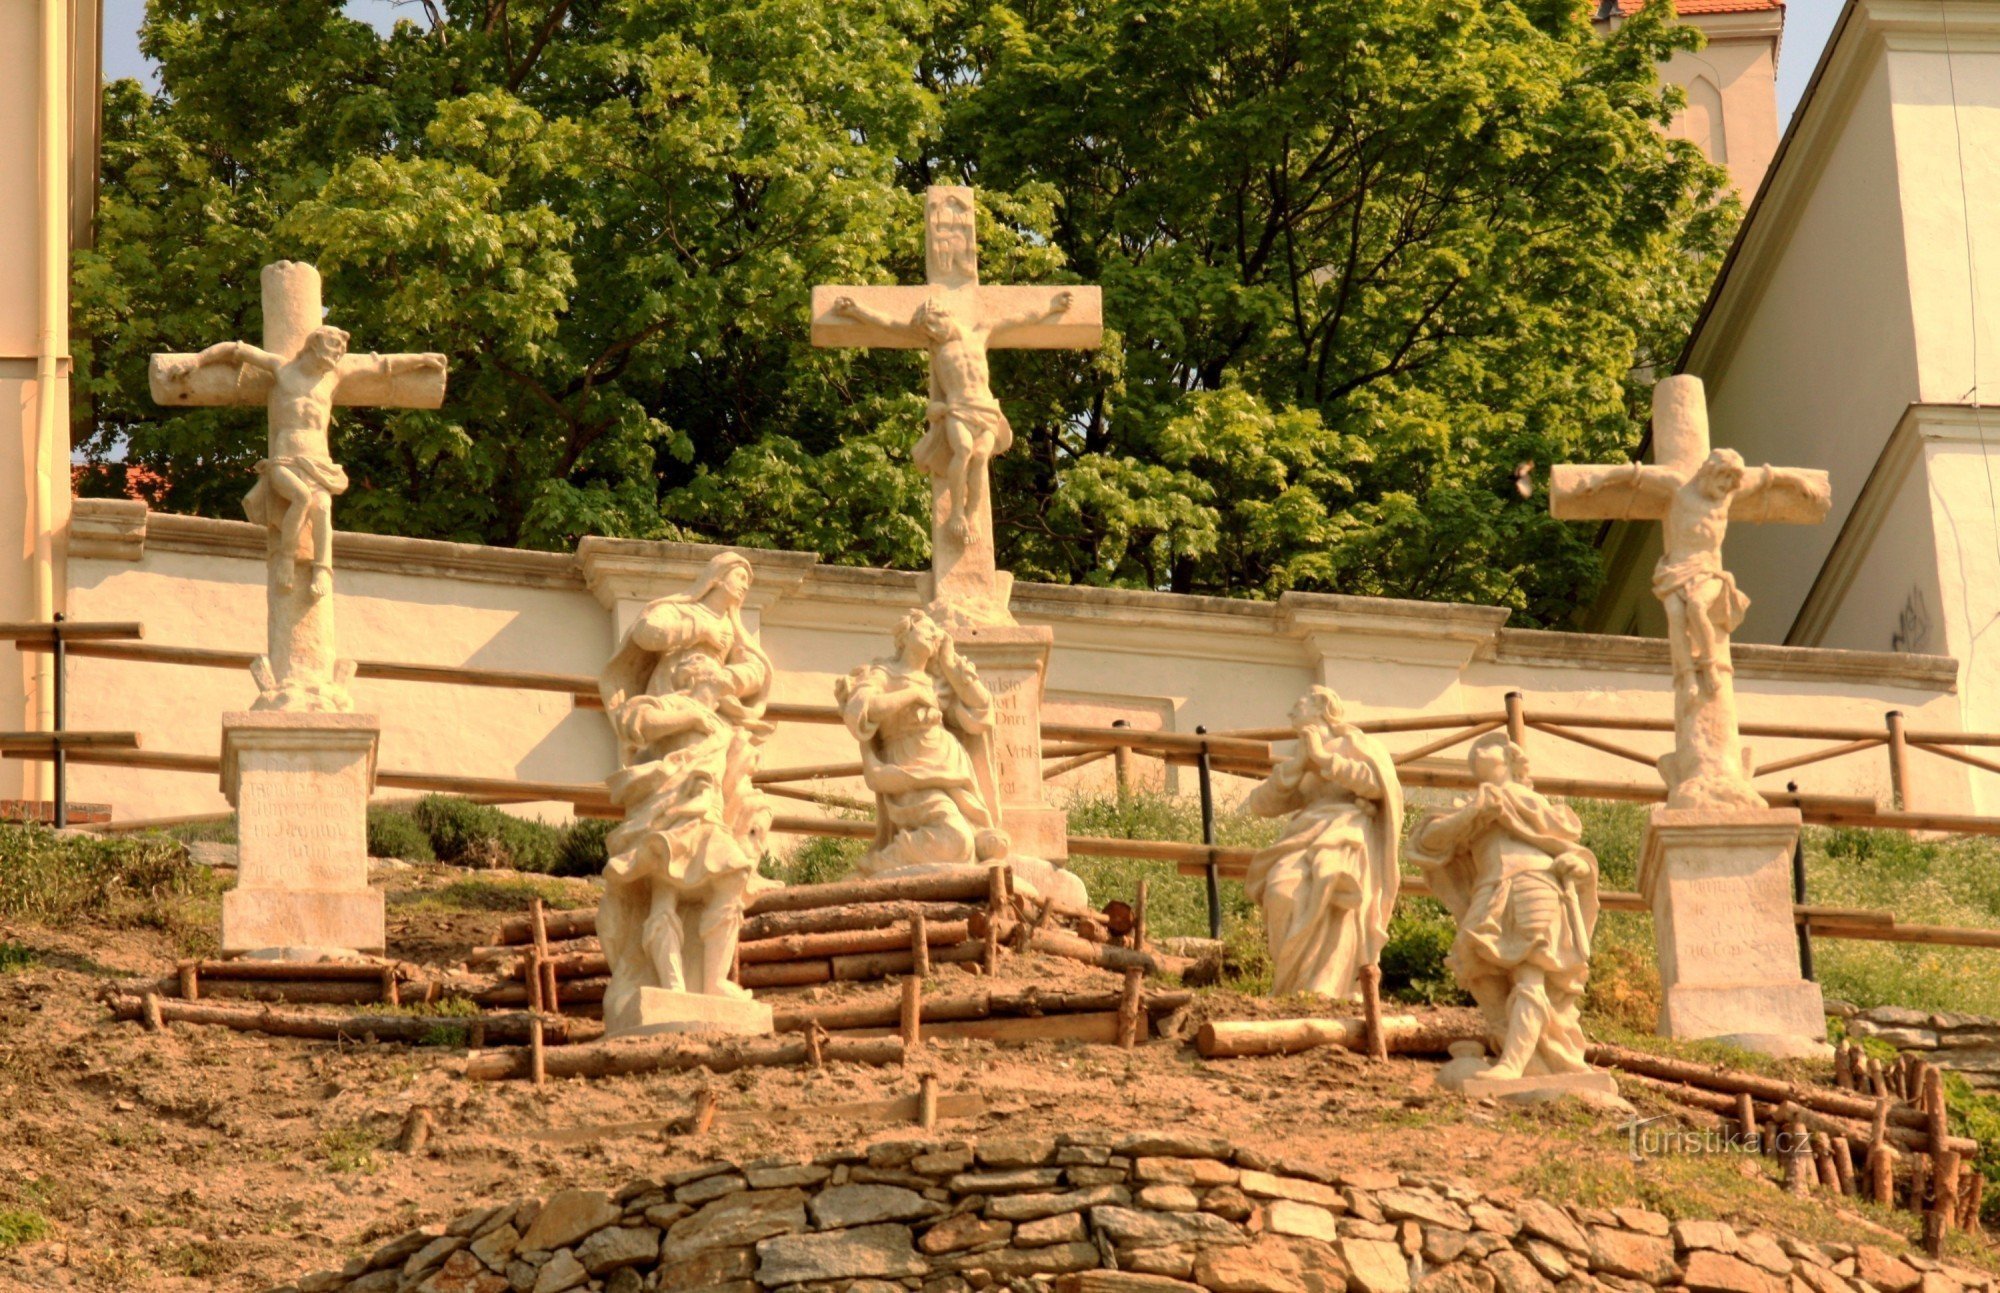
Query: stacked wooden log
(342,983)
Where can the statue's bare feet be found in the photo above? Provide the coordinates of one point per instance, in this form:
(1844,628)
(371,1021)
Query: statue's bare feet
(955,527)
(322,581)
(734,991)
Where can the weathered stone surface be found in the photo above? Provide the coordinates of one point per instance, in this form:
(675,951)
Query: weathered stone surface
(471,1223)
(1167,1145)
(734,1221)
(1370,1178)
(1183,1171)
(1063,1228)
(563,1271)
(1513,1273)
(839,1255)
(709,1188)
(1493,1220)
(496,1246)
(1024,1178)
(1227,1202)
(402,1247)
(1635,1256)
(1026,1207)
(1644,1221)
(624,1280)
(1374,1266)
(1122,1282)
(1008,1263)
(1017,1151)
(1546,1221)
(785,1176)
(1083,1155)
(1709,1271)
(463,1273)
(1888,1273)
(1717,1236)
(1820,1279)
(945,1162)
(966,1230)
(1268,1266)
(716,1267)
(1266,1185)
(1132,1228)
(1358,1229)
(430,1255)
(1086,1176)
(1305,1220)
(1457,1279)
(1547,1258)
(1442,1246)
(1759,1249)
(1174,1262)
(864,1205)
(1168,1198)
(1421,1205)
(665,1214)
(568,1216)
(617,1246)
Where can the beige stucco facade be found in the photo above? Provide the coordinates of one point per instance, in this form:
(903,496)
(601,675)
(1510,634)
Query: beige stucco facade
(48,162)
(1154,660)
(1856,329)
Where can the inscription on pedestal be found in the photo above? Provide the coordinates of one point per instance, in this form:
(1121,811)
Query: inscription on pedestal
(1012,662)
(302,820)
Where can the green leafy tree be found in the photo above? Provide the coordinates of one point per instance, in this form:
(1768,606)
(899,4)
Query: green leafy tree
(1361,259)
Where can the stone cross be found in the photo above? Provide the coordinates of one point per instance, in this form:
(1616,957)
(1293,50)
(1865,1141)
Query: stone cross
(958,321)
(1694,492)
(300,373)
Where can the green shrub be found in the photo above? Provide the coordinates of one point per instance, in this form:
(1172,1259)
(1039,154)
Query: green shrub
(394,833)
(819,860)
(15,956)
(55,879)
(463,833)
(580,853)
(22,1226)
(1413,968)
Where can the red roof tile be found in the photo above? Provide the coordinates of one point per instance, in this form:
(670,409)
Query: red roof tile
(1694,8)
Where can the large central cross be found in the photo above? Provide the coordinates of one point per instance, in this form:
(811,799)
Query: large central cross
(299,374)
(1695,492)
(958,321)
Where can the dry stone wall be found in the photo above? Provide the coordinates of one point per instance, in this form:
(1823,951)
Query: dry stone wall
(1094,1213)
(1968,1045)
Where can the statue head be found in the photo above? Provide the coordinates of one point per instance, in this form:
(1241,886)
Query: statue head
(329,345)
(951,243)
(918,638)
(728,574)
(1495,760)
(1319,707)
(932,317)
(1720,474)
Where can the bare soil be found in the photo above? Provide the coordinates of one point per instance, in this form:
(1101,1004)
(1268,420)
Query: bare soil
(206,1159)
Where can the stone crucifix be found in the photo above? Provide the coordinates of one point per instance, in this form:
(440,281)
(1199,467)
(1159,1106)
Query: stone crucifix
(1695,492)
(299,374)
(958,321)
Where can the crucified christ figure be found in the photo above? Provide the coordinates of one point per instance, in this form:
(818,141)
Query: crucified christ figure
(966,428)
(300,469)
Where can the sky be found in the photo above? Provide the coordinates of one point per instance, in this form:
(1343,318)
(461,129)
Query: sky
(1807,25)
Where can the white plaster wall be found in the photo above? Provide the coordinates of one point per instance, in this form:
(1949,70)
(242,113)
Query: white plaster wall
(1740,61)
(1817,369)
(1964,478)
(1163,661)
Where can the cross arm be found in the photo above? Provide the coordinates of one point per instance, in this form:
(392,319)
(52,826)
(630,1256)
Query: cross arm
(1782,495)
(392,381)
(1080,327)
(1628,491)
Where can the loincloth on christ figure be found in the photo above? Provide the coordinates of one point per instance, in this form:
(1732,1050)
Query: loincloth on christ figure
(979,422)
(1685,577)
(320,473)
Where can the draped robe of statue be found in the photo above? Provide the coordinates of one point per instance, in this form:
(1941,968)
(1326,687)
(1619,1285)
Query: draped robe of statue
(685,855)
(1328,885)
(925,752)
(1496,863)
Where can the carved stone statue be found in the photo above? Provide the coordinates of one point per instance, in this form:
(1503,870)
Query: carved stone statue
(1328,885)
(685,694)
(1694,493)
(958,321)
(300,373)
(1511,868)
(924,721)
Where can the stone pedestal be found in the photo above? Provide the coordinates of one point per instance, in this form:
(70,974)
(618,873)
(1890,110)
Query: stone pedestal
(300,784)
(1719,884)
(1013,662)
(662,1010)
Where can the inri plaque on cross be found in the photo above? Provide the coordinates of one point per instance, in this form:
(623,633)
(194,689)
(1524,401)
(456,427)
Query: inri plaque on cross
(958,320)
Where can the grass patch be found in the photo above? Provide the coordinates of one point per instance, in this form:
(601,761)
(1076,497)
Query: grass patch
(16,956)
(514,894)
(22,1226)
(350,1149)
(127,883)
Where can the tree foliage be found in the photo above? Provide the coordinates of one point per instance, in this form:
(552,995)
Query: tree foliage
(1361,258)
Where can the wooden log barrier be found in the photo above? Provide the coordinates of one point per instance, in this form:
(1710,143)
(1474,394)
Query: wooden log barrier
(857,915)
(653,1055)
(1022,1003)
(1402,1034)
(850,942)
(325,1026)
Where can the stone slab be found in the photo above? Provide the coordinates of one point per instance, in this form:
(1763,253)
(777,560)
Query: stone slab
(1719,884)
(1540,1087)
(1013,662)
(300,784)
(662,1010)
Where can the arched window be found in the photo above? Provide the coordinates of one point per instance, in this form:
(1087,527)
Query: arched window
(1700,122)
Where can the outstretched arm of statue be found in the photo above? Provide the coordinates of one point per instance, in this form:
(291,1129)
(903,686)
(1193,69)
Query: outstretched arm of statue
(237,352)
(1057,307)
(391,365)
(846,307)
